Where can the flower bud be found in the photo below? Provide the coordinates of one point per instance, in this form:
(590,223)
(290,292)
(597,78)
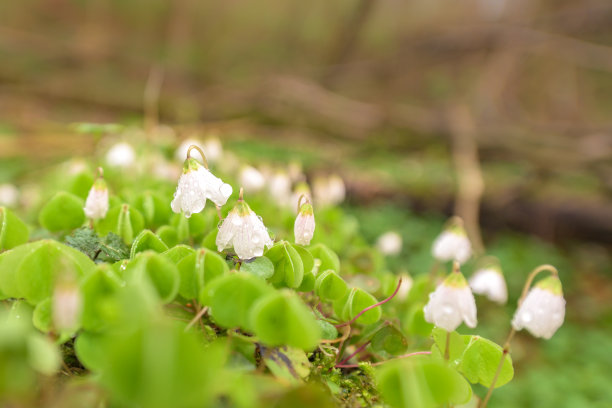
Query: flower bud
(243,230)
(452,244)
(543,310)
(451,303)
(96,204)
(304,226)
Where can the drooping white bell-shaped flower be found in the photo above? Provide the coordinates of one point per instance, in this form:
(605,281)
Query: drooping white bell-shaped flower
(121,155)
(489,281)
(195,186)
(243,230)
(251,179)
(96,204)
(390,243)
(304,226)
(452,244)
(451,303)
(66,306)
(543,310)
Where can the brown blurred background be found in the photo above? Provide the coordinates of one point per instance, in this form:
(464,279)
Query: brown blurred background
(514,93)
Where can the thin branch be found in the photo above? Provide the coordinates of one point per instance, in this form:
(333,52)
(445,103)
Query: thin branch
(399,283)
(416,353)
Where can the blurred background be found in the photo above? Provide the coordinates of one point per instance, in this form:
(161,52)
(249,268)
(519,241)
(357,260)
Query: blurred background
(497,110)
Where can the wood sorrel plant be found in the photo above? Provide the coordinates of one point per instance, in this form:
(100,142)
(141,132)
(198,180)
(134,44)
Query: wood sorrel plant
(169,303)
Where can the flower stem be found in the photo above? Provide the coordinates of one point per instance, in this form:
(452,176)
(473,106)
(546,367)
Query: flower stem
(200,151)
(299,203)
(372,307)
(447,347)
(359,350)
(506,350)
(241,194)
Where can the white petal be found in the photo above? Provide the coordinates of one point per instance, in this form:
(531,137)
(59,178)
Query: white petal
(541,313)
(390,243)
(303,228)
(490,283)
(449,306)
(226,231)
(190,196)
(96,204)
(451,246)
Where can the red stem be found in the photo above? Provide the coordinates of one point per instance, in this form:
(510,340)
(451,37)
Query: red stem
(382,302)
(359,350)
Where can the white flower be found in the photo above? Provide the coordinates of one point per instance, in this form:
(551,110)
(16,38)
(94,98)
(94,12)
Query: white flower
(251,179)
(329,190)
(195,186)
(243,230)
(66,306)
(8,195)
(213,149)
(490,282)
(96,204)
(543,309)
(304,226)
(452,245)
(390,243)
(120,155)
(405,286)
(279,187)
(451,303)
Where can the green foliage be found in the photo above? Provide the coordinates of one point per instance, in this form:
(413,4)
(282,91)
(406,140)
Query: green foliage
(356,300)
(198,269)
(288,265)
(422,382)
(149,268)
(30,271)
(261,267)
(480,360)
(63,212)
(123,220)
(281,318)
(231,298)
(147,241)
(13,231)
(330,286)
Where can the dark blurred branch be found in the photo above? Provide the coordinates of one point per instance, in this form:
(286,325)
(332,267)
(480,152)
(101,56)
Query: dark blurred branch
(347,40)
(470,184)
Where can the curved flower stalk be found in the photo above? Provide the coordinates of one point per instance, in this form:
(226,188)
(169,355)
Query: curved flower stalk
(543,310)
(452,244)
(302,189)
(96,205)
(243,230)
(196,185)
(304,226)
(451,303)
(489,281)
